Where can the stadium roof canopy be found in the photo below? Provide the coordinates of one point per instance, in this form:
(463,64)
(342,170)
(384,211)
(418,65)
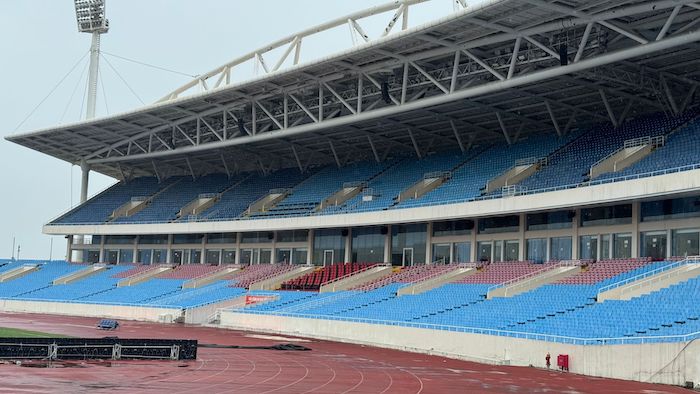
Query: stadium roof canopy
(500,70)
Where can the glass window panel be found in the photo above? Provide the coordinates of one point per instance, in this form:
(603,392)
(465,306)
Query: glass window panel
(228,256)
(560,248)
(120,239)
(483,251)
(441,253)
(221,238)
(111,256)
(367,245)
(678,208)
(537,250)
(549,220)
(153,239)
(512,251)
(187,238)
(212,256)
(411,236)
(144,256)
(93,256)
(160,256)
(329,244)
(503,224)
(606,216)
(462,252)
(452,227)
(605,246)
(126,255)
(653,244)
(588,248)
(299,255)
(622,246)
(686,242)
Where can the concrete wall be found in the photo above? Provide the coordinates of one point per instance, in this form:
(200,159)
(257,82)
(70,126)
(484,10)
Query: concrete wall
(668,363)
(89,310)
(203,314)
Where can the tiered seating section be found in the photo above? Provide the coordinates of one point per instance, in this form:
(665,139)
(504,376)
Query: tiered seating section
(416,273)
(563,309)
(569,161)
(314,280)
(259,272)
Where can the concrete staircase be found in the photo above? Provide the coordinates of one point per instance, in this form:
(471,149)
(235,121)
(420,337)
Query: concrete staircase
(83,273)
(356,278)
(276,281)
(522,169)
(633,151)
(144,276)
(269,201)
(209,278)
(436,281)
(18,272)
(533,280)
(651,281)
(348,191)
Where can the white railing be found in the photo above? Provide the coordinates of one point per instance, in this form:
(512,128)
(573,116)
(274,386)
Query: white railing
(326,283)
(655,141)
(670,266)
(531,160)
(437,174)
(196,279)
(497,332)
(528,277)
(513,190)
(438,273)
(603,181)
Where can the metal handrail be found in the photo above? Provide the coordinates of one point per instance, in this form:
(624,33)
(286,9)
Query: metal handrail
(694,259)
(438,273)
(667,171)
(528,276)
(355,273)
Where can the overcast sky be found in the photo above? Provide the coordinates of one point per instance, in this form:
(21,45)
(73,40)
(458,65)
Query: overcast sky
(39,44)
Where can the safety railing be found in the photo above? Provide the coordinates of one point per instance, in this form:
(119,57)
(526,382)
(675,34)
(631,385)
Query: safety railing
(528,277)
(531,160)
(347,185)
(649,274)
(496,332)
(512,190)
(655,141)
(667,171)
(329,282)
(438,273)
(437,175)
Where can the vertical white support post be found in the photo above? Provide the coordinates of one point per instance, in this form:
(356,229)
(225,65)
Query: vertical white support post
(636,206)
(84,182)
(472,239)
(575,252)
(429,243)
(93,75)
(69,249)
(202,258)
(387,245)
(310,248)
(348,246)
(521,238)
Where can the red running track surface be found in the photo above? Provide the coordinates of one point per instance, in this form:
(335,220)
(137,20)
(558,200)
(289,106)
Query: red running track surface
(329,368)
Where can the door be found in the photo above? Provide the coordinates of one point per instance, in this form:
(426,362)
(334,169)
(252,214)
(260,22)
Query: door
(246,256)
(327,257)
(407,259)
(177,257)
(284,256)
(441,253)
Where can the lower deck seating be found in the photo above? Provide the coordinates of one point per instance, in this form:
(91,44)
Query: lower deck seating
(313,280)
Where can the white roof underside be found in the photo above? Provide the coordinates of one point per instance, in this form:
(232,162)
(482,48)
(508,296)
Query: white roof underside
(637,57)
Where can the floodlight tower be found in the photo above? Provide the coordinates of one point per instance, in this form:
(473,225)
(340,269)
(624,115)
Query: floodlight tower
(91,18)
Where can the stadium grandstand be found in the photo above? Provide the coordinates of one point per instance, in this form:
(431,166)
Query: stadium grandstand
(516,178)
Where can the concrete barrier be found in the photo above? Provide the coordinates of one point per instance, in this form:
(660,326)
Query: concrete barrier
(668,363)
(127,312)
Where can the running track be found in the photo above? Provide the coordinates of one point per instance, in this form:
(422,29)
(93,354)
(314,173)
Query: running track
(329,368)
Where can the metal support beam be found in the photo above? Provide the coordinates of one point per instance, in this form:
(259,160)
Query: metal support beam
(608,108)
(374,149)
(415,144)
(457,136)
(503,128)
(554,119)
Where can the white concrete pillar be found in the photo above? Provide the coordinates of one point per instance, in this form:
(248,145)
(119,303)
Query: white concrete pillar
(348,246)
(310,248)
(135,253)
(521,239)
(168,251)
(387,245)
(575,243)
(202,258)
(635,229)
(473,250)
(69,249)
(238,249)
(429,243)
